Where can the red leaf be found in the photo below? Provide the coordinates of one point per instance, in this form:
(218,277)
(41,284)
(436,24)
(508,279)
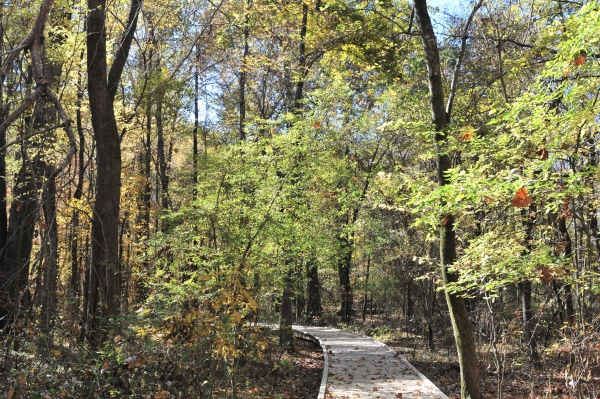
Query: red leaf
(579,60)
(522,198)
(466,133)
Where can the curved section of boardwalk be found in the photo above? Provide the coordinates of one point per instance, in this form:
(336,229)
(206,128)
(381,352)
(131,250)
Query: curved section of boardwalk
(360,367)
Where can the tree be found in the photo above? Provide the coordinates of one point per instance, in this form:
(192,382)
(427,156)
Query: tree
(104,281)
(465,343)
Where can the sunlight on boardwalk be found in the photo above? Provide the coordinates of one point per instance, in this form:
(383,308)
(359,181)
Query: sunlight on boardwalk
(360,367)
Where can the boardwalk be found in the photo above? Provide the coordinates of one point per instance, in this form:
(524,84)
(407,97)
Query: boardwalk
(360,367)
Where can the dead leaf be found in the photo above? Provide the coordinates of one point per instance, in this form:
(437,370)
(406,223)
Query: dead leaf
(579,60)
(317,124)
(547,274)
(522,198)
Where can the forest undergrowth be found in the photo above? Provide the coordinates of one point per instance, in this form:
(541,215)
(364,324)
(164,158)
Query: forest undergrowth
(155,367)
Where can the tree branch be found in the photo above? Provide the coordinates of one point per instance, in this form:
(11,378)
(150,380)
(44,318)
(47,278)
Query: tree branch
(461,54)
(116,69)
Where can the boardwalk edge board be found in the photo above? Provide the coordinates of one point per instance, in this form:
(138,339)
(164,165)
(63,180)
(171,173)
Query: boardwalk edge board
(417,372)
(313,339)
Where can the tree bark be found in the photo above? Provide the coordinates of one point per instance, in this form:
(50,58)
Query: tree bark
(74,282)
(463,334)
(565,237)
(242,79)
(162,160)
(314,289)
(286,336)
(364,310)
(344,263)
(525,287)
(49,298)
(104,289)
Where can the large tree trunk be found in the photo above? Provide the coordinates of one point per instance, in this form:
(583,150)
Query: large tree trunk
(104,288)
(23,215)
(463,334)
(104,295)
(4,108)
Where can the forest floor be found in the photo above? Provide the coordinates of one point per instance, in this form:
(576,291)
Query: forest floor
(282,375)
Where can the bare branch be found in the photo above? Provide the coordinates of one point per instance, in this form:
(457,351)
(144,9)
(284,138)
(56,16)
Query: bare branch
(116,69)
(22,108)
(463,46)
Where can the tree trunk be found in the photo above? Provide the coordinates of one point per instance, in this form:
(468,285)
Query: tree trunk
(525,287)
(344,263)
(104,289)
(49,298)
(242,79)
(74,282)
(196,124)
(463,334)
(365,296)
(286,336)
(162,160)
(314,289)
(565,238)
(21,226)
(4,109)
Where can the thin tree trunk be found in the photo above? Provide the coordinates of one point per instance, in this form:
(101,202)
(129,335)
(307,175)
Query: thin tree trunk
(463,334)
(525,287)
(314,289)
(285,331)
(49,298)
(568,252)
(365,296)
(196,124)
(344,263)
(74,282)
(162,160)
(242,79)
